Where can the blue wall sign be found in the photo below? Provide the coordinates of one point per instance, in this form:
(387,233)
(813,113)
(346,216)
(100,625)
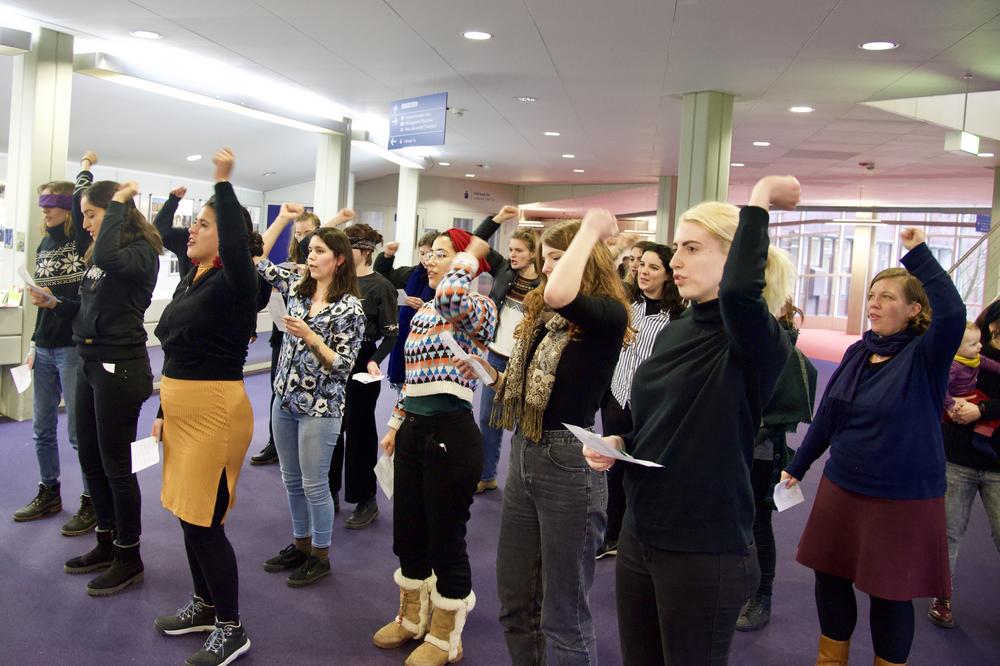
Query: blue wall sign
(418,121)
(982,223)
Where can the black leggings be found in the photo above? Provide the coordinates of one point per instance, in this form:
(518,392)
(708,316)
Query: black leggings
(213,562)
(616,420)
(891,621)
(763,531)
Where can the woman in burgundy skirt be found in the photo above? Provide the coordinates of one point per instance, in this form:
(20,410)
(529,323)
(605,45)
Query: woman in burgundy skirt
(878,522)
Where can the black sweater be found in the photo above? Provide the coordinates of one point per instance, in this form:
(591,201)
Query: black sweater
(696,406)
(379,300)
(207,326)
(114,295)
(174,238)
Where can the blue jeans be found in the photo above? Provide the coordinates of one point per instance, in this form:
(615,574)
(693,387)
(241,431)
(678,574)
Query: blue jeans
(963,484)
(492,437)
(305,448)
(552,524)
(55,377)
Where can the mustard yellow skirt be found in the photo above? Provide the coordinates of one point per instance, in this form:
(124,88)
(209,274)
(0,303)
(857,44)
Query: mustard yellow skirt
(207,428)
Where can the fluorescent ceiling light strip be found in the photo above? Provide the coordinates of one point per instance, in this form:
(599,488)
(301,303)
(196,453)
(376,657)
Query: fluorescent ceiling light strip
(385,154)
(117,70)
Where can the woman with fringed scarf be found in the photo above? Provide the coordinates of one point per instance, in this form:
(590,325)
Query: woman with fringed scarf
(554,505)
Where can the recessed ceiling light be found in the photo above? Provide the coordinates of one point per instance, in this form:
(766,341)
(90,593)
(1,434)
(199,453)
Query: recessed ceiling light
(146,34)
(801,109)
(269,173)
(552,134)
(470,175)
(762,144)
(476,35)
(986,154)
(444,163)
(878,46)
(526,98)
(736,164)
(578,171)
(569,156)
(193,158)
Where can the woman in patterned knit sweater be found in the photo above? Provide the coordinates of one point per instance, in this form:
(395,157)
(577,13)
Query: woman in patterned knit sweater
(439,455)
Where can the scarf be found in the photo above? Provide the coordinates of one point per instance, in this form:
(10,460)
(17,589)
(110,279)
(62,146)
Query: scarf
(460,239)
(847,376)
(523,392)
(968,362)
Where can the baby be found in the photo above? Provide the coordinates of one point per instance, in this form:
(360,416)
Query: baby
(964,374)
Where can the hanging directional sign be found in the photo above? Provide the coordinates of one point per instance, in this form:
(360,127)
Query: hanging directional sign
(982,223)
(418,121)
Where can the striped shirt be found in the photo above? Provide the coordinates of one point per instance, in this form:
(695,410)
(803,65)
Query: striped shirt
(649,324)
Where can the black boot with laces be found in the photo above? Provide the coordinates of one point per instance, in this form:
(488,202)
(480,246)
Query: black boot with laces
(226,644)
(193,617)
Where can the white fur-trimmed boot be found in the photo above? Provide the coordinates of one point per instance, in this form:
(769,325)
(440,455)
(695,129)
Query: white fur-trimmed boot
(443,642)
(414,612)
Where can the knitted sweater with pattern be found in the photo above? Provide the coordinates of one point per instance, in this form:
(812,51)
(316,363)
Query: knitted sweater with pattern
(471,318)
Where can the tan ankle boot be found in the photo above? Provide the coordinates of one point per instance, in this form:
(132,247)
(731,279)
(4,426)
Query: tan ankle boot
(414,610)
(879,661)
(832,653)
(443,642)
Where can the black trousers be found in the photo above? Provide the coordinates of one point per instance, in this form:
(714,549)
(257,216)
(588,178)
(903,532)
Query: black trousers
(356,452)
(109,396)
(437,464)
(761,473)
(213,562)
(275,352)
(679,609)
(616,420)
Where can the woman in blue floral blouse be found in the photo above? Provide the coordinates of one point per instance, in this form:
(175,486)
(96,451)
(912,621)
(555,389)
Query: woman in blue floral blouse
(324,329)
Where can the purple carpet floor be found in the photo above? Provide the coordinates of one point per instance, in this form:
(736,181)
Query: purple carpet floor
(46,616)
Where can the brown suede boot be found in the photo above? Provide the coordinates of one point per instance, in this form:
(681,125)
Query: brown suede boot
(414,611)
(443,642)
(879,661)
(832,653)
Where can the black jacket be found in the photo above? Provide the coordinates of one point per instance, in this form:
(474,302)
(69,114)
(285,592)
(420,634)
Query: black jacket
(174,238)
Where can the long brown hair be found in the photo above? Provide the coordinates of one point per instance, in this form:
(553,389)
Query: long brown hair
(599,279)
(344,280)
(671,301)
(135,226)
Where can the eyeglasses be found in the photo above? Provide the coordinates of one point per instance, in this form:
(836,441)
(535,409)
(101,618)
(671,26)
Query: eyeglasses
(440,255)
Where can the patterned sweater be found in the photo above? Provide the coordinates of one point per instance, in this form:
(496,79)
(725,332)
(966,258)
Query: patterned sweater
(472,319)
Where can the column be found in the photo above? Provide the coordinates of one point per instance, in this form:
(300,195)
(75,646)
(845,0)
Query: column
(350,190)
(333,162)
(706,142)
(39,145)
(992,287)
(861,259)
(406,215)
(666,210)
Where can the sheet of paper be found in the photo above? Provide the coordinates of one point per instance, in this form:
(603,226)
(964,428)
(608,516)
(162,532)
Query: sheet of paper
(277,309)
(459,353)
(109,367)
(384,474)
(401,297)
(785,498)
(145,453)
(594,441)
(366,378)
(22,377)
(29,282)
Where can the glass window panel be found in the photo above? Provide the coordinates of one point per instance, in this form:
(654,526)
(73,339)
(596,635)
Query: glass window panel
(842,296)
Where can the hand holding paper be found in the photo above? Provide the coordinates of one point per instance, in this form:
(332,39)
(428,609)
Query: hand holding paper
(459,353)
(597,443)
(46,298)
(785,497)
(366,378)
(384,474)
(145,453)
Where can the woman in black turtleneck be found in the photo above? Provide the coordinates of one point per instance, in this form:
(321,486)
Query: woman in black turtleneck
(114,378)
(205,419)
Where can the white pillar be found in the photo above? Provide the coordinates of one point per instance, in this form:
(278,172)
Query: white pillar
(992,287)
(666,209)
(38,151)
(350,190)
(333,160)
(406,215)
(706,142)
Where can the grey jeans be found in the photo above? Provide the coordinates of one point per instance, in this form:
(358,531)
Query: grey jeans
(554,516)
(963,484)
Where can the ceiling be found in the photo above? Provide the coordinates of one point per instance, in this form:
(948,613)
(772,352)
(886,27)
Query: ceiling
(608,76)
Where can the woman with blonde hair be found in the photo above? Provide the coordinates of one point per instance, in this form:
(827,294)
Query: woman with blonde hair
(686,547)
(554,516)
